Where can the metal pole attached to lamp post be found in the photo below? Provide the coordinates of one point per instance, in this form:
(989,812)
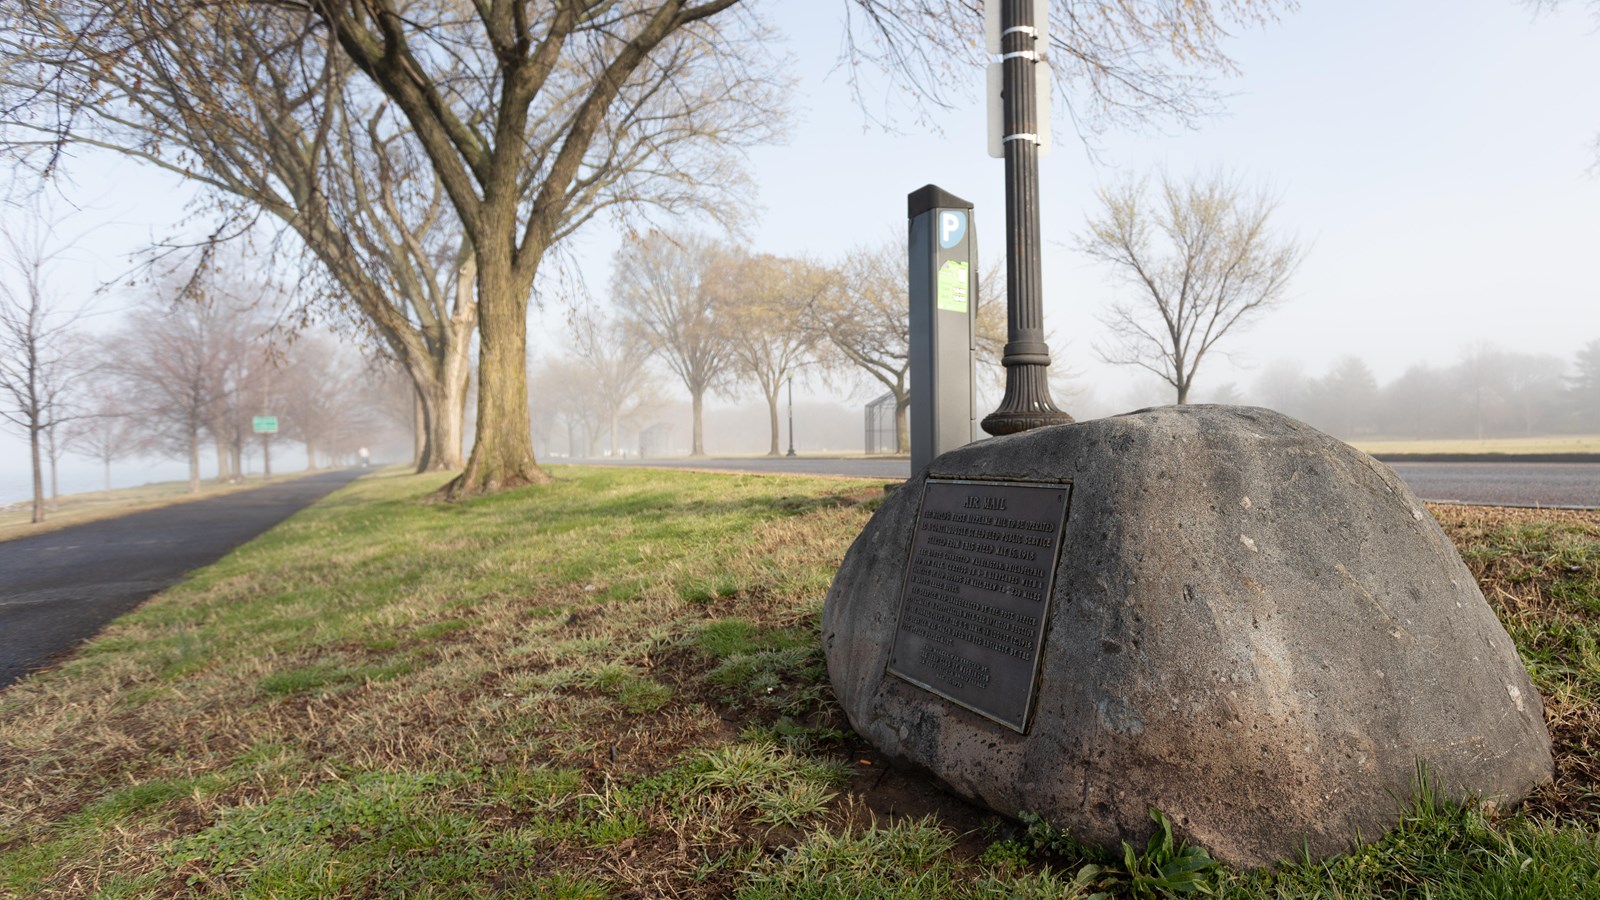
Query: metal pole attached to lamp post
(791,415)
(1027,402)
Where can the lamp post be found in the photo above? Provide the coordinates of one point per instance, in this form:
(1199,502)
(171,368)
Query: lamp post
(791,415)
(1026,404)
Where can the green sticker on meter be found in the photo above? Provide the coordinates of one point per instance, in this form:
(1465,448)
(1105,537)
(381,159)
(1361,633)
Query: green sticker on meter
(953,286)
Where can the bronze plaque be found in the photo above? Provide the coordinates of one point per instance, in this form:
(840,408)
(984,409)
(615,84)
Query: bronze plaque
(977,592)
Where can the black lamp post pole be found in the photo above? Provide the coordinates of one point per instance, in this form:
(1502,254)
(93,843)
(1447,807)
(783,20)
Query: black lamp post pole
(1027,402)
(791,415)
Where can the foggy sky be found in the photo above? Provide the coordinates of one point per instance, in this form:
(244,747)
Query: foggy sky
(1437,158)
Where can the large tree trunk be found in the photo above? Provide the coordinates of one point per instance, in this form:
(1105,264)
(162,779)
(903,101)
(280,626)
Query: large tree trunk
(443,405)
(311,457)
(108,476)
(502,455)
(772,420)
(441,376)
(698,447)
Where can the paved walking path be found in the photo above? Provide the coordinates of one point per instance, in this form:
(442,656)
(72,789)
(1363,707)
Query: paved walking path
(60,588)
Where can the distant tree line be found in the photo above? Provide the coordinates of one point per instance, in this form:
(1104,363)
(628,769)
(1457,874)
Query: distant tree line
(1487,393)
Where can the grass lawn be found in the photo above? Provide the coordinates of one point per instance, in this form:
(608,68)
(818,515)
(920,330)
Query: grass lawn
(612,687)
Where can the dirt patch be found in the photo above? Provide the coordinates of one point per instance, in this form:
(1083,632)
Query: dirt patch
(891,793)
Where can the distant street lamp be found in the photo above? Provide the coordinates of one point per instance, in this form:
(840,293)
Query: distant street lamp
(791,415)
(1027,402)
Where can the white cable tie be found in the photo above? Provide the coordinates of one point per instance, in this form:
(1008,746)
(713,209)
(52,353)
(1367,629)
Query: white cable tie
(1025,136)
(1020,54)
(1021,29)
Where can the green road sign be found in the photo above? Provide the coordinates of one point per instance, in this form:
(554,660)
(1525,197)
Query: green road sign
(265,424)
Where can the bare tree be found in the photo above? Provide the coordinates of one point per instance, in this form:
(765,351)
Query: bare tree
(105,433)
(1416,404)
(862,321)
(173,356)
(41,358)
(575,404)
(664,287)
(323,400)
(990,325)
(1533,391)
(761,298)
(536,118)
(1584,387)
(387,391)
(1480,380)
(245,101)
(1501,393)
(1201,260)
(617,362)
(1345,401)
(242,379)
(406,231)
(1283,386)
(58,439)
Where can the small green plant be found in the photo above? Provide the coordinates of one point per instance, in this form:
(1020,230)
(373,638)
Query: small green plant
(1166,867)
(1007,854)
(1042,838)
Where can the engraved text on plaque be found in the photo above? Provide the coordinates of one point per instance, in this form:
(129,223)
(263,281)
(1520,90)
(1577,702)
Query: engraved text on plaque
(977,592)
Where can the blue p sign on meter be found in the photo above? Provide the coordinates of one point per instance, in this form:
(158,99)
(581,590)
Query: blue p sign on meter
(952,227)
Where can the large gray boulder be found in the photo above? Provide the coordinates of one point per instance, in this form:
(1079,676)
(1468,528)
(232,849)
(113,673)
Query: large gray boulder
(1255,628)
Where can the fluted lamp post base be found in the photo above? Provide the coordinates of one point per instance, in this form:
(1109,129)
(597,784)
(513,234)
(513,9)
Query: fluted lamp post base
(1026,404)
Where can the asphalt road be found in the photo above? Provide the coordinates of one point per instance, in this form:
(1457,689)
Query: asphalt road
(1569,485)
(60,588)
(1505,483)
